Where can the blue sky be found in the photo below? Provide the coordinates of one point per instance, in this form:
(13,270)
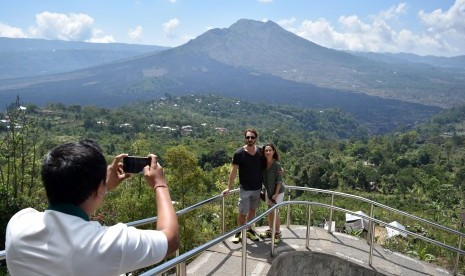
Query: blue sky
(424,27)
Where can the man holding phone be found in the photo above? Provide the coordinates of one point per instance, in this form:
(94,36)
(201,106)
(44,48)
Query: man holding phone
(62,241)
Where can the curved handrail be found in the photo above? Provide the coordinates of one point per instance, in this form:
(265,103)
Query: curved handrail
(180,212)
(307,189)
(178,259)
(187,255)
(378,205)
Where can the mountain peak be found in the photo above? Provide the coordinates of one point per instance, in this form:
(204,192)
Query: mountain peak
(253,26)
(252,41)
(243,33)
(248,23)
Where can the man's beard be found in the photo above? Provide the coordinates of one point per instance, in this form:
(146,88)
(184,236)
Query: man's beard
(251,142)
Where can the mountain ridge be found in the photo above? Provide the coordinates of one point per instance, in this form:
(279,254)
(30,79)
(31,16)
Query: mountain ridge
(25,57)
(254,61)
(306,62)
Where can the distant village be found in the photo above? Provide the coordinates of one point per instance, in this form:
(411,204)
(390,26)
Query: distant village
(5,121)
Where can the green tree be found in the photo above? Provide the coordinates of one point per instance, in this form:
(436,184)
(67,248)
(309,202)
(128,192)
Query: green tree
(186,179)
(19,163)
(187,184)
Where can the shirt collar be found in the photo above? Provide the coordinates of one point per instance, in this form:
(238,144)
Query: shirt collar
(69,209)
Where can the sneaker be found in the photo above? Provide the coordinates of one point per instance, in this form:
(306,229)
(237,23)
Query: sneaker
(266,234)
(237,238)
(251,234)
(277,238)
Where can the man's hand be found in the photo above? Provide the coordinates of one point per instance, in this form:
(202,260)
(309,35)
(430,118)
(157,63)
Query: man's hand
(153,174)
(281,172)
(115,173)
(225,192)
(167,221)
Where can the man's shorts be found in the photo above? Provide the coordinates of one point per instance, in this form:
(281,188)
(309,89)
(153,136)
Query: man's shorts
(248,200)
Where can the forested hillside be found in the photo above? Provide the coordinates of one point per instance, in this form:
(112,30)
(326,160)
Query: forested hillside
(421,171)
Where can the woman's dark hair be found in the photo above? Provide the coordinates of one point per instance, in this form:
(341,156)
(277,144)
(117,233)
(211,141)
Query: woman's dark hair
(71,172)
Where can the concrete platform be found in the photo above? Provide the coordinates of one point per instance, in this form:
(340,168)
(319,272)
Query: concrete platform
(225,258)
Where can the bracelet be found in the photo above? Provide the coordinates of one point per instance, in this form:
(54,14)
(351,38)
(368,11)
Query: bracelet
(158,186)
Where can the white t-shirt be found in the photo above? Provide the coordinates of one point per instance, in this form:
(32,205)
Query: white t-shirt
(55,243)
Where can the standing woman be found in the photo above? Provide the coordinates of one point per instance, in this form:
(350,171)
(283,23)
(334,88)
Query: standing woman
(272,180)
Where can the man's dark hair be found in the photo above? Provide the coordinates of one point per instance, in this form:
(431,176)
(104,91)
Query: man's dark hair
(251,130)
(71,172)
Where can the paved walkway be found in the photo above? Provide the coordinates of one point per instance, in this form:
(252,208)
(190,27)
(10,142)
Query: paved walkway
(225,258)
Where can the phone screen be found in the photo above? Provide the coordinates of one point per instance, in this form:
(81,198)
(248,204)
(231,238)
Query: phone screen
(135,164)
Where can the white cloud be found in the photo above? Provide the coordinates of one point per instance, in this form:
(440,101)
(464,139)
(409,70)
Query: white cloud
(452,20)
(265,1)
(319,31)
(136,33)
(99,37)
(380,33)
(354,25)
(61,26)
(285,23)
(169,26)
(394,11)
(71,27)
(173,1)
(187,37)
(9,31)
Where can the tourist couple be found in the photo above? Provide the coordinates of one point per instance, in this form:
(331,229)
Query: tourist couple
(257,166)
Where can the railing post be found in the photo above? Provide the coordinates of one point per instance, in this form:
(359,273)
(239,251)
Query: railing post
(370,257)
(309,217)
(288,216)
(273,230)
(457,258)
(330,223)
(182,269)
(222,216)
(244,252)
(178,267)
(370,223)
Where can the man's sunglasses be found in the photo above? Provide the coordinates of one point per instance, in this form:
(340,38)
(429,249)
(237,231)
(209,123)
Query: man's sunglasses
(250,137)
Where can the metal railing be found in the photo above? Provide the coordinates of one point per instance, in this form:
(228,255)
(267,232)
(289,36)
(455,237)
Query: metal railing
(180,260)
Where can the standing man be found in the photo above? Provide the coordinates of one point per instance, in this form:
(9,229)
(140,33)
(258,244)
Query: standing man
(248,160)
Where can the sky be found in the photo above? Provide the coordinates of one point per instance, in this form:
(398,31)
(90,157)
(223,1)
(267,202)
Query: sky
(422,27)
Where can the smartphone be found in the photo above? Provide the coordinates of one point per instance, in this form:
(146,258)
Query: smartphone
(135,164)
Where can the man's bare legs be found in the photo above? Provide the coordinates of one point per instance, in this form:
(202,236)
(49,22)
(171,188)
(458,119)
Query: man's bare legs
(251,214)
(242,219)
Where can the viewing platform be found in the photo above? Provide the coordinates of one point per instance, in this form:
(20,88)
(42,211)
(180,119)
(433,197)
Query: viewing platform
(329,254)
